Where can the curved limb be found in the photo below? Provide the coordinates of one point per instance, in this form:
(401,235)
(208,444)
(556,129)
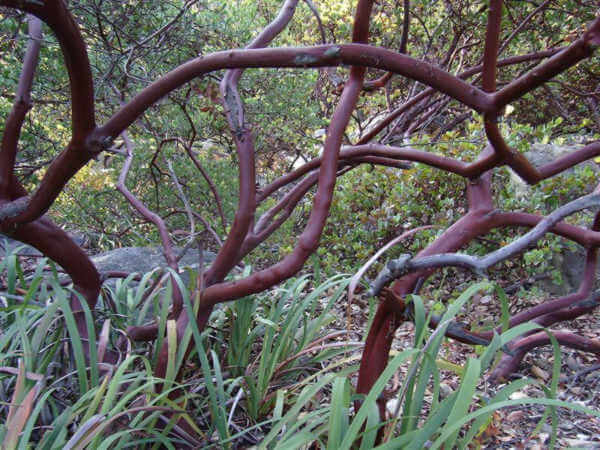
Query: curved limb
(84,145)
(78,153)
(56,15)
(228,254)
(566,308)
(57,245)
(479,265)
(580,49)
(155,219)
(545,314)
(464,75)
(390,313)
(347,154)
(21,105)
(509,364)
(316,221)
(550,312)
(309,239)
(382,81)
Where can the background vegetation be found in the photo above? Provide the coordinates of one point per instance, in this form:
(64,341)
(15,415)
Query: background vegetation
(288,111)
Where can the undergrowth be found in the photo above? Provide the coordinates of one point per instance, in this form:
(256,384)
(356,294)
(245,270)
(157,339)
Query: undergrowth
(269,371)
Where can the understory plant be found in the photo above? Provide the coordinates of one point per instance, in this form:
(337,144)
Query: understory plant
(272,372)
(422,417)
(59,392)
(56,391)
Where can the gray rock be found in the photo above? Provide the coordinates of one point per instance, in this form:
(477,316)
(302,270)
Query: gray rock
(572,265)
(541,154)
(8,245)
(144,259)
(126,259)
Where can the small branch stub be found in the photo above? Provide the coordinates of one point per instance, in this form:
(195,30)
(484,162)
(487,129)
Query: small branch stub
(392,270)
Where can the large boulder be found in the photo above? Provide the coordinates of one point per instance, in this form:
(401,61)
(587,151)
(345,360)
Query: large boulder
(8,245)
(126,259)
(145,259)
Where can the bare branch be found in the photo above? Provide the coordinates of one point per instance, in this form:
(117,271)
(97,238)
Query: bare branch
(360,55)
(525,21)
(21,105)
(315,12)
(184,200)
(359,274)
(382,81)
(464,75)
(211,185)
(56,15)
(479,265)
(150,216)
(492,39)
(244,141)
(580,49)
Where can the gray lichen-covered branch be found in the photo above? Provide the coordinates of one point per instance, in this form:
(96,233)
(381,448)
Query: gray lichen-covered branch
(479,265)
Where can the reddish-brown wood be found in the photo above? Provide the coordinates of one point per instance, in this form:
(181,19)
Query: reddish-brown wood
(22,213)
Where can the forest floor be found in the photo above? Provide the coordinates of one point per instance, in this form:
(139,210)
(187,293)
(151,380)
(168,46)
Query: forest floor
(515,427)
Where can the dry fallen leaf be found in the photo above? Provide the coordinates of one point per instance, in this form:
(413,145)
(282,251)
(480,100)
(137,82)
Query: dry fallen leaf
(515,416)
(518,395)
(540,373)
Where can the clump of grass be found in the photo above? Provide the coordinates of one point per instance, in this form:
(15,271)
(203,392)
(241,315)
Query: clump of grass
(269,371)
(58,392)
(455,421)
(58,396)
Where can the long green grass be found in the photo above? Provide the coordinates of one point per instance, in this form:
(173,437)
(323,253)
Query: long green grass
(269,371)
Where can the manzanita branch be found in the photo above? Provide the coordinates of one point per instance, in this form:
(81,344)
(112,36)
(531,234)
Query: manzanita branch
(21,105)
(228,255)
(523,23)
(244,142)
(580,49)
(21,215)
(492,42)
(382,81)
(509,363)
(347,154)
(360,55)
(152,217)
(464,75)
(405,264)
(56,15)
(211,185)
(309,239)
